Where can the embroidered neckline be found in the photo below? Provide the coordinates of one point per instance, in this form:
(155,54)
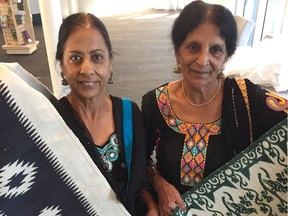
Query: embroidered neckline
(109,152)
(195,143)
(165,108)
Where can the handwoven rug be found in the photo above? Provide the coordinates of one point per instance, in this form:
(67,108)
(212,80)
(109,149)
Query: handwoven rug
(253,183)
(44,170)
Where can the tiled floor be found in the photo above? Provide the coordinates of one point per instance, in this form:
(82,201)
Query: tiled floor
(144,59)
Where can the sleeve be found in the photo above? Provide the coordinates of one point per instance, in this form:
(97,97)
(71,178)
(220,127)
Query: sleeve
(267,108)
(149,109)
(138,164)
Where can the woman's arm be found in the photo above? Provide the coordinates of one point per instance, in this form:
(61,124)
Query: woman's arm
(168,196)
(150,203)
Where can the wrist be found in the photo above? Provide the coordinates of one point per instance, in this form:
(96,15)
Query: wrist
(152,173)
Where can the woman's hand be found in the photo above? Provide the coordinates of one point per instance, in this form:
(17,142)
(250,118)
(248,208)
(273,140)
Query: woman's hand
(151,205)
(168,196)
(152,211)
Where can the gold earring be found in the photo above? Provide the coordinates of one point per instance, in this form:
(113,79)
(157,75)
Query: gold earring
(63,81)
(177,69)
(111,81)
(220,75)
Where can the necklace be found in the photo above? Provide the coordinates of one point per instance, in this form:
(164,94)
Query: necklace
(202,104)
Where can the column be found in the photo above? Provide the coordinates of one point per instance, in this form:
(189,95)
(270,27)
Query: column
(51,16)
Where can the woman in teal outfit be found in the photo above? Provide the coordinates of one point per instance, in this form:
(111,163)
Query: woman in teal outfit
(85,55)
(201,121)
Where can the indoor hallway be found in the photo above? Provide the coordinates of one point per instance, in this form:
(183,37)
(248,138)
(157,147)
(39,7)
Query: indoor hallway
(144,56)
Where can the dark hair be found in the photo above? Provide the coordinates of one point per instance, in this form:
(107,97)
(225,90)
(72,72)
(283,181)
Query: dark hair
(198,12)
(76,20)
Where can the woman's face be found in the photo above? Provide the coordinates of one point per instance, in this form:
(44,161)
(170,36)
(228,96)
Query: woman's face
(202,55)
(86,64)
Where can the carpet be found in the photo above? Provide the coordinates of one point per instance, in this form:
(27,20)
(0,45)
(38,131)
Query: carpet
(44,170)
(253,183)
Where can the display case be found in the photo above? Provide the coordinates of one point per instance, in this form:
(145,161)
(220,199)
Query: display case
(17,27)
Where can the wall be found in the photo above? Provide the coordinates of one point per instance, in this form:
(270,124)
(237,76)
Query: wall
(285,22)
(35,11)
(34,7)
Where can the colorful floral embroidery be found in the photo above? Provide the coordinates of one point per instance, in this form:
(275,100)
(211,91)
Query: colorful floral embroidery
(109,152)
(195,143)
(276,103)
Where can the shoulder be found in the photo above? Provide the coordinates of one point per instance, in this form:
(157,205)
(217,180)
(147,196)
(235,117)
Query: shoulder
(62,105)
(236,81)
(151,95)
(149,105)
(69,115)
(241,84)
(115,99)
(62,101)
(117,103)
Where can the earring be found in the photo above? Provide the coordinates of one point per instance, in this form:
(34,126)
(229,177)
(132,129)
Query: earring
(177,69)
(63,81)
(111,81)
(220,75)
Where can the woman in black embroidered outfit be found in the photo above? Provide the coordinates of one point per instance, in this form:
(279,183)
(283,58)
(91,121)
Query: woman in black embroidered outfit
(201,121)
(84,52)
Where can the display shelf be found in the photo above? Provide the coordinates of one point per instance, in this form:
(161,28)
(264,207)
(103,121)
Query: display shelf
(17,27)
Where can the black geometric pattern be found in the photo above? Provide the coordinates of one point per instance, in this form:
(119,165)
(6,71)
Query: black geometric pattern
(32,182)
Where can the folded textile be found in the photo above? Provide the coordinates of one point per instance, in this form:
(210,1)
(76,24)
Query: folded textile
(261,68)
(44,169)
(253,183)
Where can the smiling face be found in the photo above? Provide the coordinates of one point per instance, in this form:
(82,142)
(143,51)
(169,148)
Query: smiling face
(202,55)
(86,63)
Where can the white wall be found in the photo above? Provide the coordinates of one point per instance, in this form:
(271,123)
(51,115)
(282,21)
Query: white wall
(69,7)
(285,21)
(34,6)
